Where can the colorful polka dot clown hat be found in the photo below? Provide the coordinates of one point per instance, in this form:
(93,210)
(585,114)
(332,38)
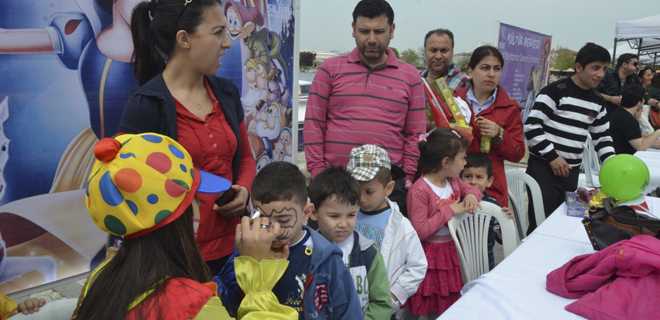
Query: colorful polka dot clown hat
(141,182)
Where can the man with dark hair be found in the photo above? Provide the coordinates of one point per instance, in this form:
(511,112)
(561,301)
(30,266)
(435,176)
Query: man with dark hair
(624,127)
(439,55)
(624,73)
(564,114)
(373,9)
(367,96)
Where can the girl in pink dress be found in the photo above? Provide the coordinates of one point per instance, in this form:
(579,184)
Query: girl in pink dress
(436,196)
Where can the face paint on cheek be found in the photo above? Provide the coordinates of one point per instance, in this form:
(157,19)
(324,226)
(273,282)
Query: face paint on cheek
(287,227)
(284,235)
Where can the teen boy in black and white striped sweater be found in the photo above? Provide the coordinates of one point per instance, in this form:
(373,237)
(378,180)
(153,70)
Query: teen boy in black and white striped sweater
(564,114)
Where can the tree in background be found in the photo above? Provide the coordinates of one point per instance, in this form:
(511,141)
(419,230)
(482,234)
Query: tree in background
(412,56)
(396,52)
(307,59)
(461,60)
(563,58)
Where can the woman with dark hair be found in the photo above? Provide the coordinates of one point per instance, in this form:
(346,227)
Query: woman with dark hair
(651,83)
(178,46)
(142,188)
(645,80)
(646,76)
(496,117)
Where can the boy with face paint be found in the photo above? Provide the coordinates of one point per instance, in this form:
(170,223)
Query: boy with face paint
(317,283)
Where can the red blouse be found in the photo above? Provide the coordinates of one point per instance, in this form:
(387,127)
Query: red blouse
(210,142)
(212,145)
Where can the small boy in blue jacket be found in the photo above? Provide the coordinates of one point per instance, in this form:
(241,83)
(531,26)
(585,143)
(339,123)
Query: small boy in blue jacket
(316,283)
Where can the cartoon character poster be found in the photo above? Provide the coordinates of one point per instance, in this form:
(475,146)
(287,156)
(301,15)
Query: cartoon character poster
(66,76)
(260,62)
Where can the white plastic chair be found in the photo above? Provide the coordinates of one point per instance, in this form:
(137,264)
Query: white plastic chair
(518,182)
(517,216)
(470,234)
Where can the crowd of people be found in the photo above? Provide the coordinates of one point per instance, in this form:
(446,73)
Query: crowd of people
(198,233)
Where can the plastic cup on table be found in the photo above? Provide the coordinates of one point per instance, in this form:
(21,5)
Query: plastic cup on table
(575,207)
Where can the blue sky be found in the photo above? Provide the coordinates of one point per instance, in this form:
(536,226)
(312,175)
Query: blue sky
(326,24)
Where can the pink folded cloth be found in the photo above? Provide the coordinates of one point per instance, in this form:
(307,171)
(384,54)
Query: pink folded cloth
(620,282)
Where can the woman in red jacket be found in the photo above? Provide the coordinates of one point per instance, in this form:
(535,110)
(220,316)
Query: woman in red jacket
(178,47)
(495,116)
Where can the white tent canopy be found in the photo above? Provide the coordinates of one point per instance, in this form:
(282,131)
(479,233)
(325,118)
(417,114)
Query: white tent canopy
(648,27)
(642,35)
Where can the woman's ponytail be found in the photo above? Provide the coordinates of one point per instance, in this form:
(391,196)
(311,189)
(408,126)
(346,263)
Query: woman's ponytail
(148,62)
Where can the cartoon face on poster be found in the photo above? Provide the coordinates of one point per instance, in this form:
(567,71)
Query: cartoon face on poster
(262,44)
(66,67)
(66,78)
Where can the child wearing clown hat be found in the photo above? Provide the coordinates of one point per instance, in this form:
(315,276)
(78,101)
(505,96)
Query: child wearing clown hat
(142,188)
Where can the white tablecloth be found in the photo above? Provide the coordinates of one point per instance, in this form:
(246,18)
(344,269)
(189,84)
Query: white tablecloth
(652,160)
(515,289)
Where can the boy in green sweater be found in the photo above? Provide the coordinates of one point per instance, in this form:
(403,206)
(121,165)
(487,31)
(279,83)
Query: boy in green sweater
(335,195)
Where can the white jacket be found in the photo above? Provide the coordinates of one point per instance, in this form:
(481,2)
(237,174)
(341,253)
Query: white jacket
(403,254)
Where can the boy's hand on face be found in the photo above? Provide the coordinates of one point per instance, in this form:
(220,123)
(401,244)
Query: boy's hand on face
(254,238)
(280,251)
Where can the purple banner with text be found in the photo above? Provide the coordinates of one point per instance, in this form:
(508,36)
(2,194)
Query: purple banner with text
(526,62)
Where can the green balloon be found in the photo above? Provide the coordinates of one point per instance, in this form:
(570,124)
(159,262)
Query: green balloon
(624,177)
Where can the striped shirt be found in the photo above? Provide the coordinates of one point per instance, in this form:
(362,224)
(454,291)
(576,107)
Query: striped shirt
(351,104)
(477,106)
(455,77)
(560,120)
